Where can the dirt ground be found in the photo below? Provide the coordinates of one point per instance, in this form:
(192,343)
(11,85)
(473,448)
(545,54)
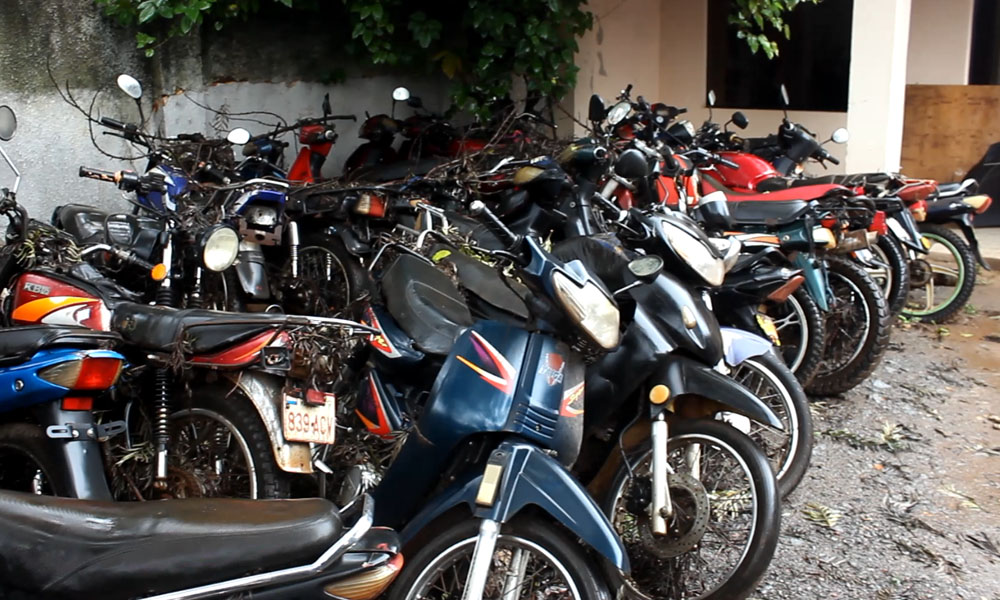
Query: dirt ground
(902,500)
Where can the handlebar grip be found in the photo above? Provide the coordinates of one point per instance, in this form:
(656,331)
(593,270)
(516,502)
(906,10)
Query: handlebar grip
(113,123)
(343,117)
(130,258)
(728,163)
(507,237)
(832,158)
(190,137)
(98,174)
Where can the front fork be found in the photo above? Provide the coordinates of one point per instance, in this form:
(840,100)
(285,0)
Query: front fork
(482,559)
(660,509)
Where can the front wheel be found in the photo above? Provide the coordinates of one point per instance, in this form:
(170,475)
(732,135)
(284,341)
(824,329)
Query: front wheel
(533,560)
(726,515)
(942,280)
(857,329)
(790,449)
(891,272)
(801,330)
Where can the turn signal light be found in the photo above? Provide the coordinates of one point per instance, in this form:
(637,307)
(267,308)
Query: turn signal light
(158,272)
(781,294)
(84,374)
(919,210)
(368,584)
(980,203)
(371,205)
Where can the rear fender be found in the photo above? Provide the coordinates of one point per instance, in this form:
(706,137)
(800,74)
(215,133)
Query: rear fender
(82,465)
(815,279)
(689,380)
(265,392)
(530,477)
(740,345)
(965,224)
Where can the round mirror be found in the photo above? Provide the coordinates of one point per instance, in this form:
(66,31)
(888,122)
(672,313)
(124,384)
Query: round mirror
(740,120)
(8,123)
(596,108)
(711,97)
(618,112)
(840,136)
(238,136)
(646,267)
(401,94)
(784,95)
(130,85)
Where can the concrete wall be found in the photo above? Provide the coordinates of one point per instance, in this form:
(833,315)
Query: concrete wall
(940,40)
(280,71)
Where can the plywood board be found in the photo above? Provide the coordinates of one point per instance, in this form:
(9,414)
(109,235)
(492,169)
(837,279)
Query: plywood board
(947,128)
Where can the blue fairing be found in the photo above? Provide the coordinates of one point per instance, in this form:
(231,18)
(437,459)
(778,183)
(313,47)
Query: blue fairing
(177,183)
(33,389)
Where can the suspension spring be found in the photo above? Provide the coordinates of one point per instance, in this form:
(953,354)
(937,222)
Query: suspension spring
(161,408)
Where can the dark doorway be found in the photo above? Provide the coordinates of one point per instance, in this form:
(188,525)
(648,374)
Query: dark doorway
(984,62)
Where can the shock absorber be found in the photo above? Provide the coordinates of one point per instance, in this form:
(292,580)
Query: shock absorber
(293,248)
(161,423)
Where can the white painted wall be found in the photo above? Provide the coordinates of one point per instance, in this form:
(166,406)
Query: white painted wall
(877,96)
(940,41)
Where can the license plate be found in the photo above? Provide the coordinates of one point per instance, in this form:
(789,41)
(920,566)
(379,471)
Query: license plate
(306,422)
(767,325)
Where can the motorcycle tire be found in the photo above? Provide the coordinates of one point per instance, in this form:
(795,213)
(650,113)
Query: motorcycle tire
(788,451)
(802,333)
(29,461)
(450,542)
(233,416)
(661,567)
(962,254)
(853,290)
(330,281)
(896,283)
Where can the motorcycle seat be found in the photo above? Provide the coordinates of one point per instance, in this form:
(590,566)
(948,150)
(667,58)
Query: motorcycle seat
(425,303)
(804,192)
(84,223)
(767,213)
(19,344)
(847,180)
(398,170)
(159,328)
(68,548)
(484,281)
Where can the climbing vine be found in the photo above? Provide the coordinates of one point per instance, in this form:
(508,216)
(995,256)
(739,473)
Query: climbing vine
(481,45)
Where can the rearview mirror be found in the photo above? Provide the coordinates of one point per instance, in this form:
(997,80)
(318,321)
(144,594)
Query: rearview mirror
(401,94)
(740,120)
(646,268)
(238,136)
(596,109)
(784,96)
(8,123)
(130,85)
(414,102)
(840,136)
(711,97)
(327,111)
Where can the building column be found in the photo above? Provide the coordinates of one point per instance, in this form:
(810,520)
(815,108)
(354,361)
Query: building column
(877,95)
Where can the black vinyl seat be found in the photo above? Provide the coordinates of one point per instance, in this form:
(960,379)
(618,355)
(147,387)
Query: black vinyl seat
(67,548)
(770,213)
(84,223)
(18,344)
(159,328)
(486,283)
(425,303)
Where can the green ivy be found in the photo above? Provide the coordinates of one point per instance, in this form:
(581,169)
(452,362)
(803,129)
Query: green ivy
(480,45)
(754,19)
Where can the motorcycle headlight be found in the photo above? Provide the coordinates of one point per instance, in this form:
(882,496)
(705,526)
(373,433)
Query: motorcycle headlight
(590,308)
(219,247)
(695,253)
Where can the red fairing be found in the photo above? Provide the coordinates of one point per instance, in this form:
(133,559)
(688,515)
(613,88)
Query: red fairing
(753,169)
(460,147)
(623,197)
(301,171)
(242,353)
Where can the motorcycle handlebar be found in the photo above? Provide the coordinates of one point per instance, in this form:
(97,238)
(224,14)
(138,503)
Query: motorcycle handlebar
(507,237)
(726,162)
(113,123)
(98,174)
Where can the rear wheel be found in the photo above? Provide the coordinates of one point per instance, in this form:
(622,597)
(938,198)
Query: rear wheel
(28,461)
(219,448)
(942,280)
(789,449)
(726,519)
(857,329)
(801,330)
(891,273)
(533,560)
(329,279)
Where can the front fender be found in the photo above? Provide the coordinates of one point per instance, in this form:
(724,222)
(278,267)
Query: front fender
(530,478)
(683,376)
(740,345)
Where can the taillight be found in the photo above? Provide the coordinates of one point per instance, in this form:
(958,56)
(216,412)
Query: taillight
(829,222)
(919,210)
(367,584)
(370,205)
(879,224)
(88,373)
